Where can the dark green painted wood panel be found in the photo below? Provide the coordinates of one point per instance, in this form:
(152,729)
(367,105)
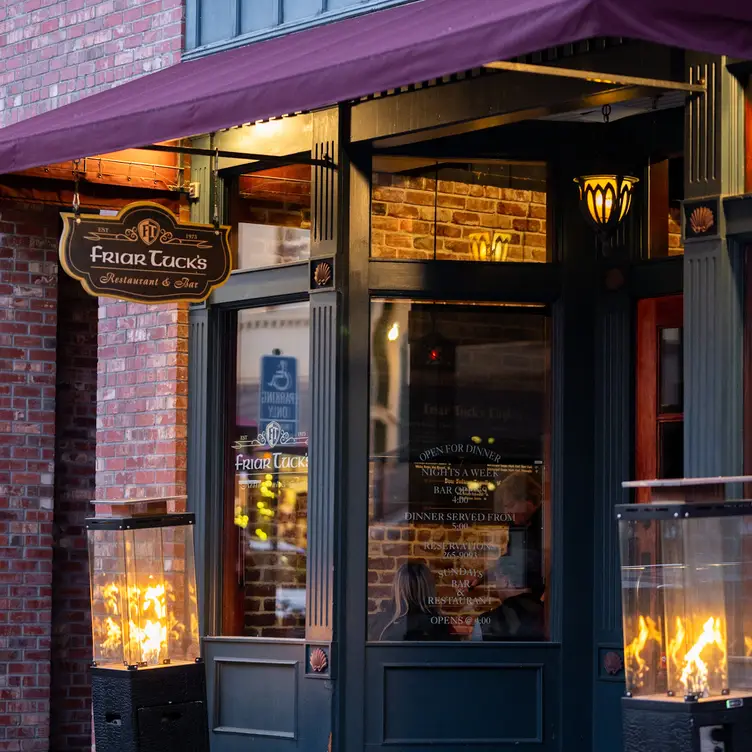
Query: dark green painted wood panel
(713,332)
(198,399)
(612,449)
(323,465)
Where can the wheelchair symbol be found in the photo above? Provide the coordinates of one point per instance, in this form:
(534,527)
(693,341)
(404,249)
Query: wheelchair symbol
(281,380)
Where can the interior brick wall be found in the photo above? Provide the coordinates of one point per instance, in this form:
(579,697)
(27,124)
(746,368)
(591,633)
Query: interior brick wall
(28,329)
(410,217)
(390,546)
(53,53)
(70,721)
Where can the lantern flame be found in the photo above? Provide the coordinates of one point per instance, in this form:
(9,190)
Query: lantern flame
(696,664)
(647,631)
(144,630)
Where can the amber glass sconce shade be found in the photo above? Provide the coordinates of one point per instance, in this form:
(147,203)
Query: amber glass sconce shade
(487,248)
(605,200)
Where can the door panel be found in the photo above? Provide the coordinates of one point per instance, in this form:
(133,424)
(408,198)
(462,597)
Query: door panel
(261,696)
(492,698)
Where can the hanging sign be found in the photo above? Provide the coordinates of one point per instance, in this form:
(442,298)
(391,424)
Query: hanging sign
(145,255)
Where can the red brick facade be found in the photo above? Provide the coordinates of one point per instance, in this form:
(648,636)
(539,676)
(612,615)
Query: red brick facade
(52,53)
(142,400)
(28,329)
(76,395)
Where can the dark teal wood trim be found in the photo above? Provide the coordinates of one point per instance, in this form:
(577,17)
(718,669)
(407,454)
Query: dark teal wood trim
(573,461)
(738,216)
(613,441)
(714,130)
(713,335)
(198,397)
(463,280)
(325,205)
(257,286)
(651,279)
(353,548)
(326,379)
(220,378)
(485,101)
(614,438)
(323,449)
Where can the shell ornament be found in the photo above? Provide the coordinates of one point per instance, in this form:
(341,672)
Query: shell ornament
(613,663)
(701,220)
(318,660)
(323,274)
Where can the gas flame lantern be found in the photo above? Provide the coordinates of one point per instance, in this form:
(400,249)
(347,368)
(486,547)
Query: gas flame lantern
(144,615)
(686,583)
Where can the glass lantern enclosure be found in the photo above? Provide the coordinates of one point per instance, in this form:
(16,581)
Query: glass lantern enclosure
(686,581)
(144,610)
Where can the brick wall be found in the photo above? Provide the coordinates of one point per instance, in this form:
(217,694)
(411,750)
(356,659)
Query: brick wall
(142,400)
(28,328)
(70,727)
(409,217)
(52,53)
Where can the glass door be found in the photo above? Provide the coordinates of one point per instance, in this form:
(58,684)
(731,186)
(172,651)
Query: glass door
(459,414)
(265,514)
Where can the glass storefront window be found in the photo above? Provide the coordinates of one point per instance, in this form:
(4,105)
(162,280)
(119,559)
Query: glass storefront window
(457,510)
(270,215)
(670,402)
(482,211)
(265,540)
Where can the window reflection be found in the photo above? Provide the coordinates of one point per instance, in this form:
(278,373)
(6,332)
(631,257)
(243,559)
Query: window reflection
(266,521)
(270,215)
(459,404)
(671,370)
(484,211)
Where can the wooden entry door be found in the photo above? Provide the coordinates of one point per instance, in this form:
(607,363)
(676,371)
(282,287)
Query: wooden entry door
(659,450)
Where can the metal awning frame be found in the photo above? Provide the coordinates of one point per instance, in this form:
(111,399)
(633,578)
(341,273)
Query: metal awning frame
(617,79)
(267,159)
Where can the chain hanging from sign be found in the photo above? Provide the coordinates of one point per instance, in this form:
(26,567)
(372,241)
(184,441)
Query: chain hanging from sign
(144,254)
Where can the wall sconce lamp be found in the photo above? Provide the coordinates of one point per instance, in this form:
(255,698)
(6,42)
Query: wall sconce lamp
(486,249)
(605,200)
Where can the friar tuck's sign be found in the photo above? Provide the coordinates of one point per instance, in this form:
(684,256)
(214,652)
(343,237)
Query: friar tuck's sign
(145,255)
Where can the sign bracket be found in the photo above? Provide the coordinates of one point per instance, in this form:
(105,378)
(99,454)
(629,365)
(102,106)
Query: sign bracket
(276,161)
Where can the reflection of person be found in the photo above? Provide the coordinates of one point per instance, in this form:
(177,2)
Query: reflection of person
(412,615)
(519,617)
(518,575)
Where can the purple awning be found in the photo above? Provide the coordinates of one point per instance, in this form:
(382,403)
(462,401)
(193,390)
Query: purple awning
(348,59)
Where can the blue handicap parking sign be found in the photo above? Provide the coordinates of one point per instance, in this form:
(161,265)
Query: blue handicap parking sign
(278,396)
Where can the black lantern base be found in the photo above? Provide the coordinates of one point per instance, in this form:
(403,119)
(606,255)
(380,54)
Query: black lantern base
(722,725)
(156,709)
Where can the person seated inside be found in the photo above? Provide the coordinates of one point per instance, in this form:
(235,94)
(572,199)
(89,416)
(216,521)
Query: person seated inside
(521,614)
(411,614)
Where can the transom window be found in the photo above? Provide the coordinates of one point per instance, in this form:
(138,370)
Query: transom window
(216,24)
